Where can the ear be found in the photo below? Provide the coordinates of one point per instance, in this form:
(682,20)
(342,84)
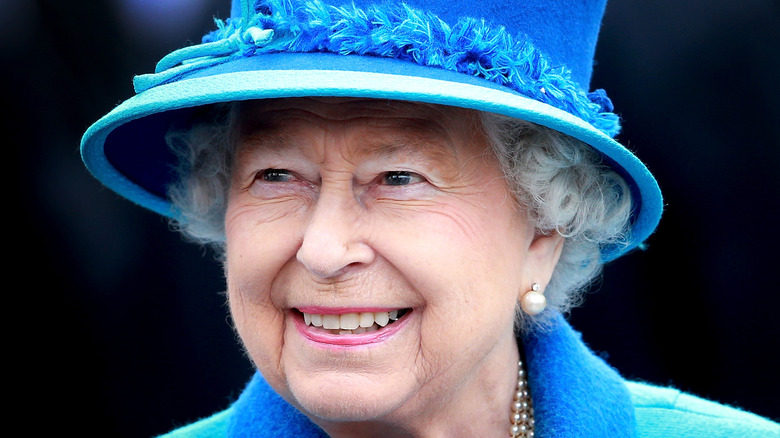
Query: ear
(543,255)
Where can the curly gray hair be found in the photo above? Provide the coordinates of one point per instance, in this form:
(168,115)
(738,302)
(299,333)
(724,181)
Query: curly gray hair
(560,182)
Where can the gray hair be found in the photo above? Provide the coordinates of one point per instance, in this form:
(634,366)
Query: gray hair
(560,182)
(564,187)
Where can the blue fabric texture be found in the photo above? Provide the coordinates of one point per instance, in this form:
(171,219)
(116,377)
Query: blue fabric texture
(566,380)
(277,419)
(668,412)
(576,395)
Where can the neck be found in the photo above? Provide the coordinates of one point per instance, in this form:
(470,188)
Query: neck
(478,405)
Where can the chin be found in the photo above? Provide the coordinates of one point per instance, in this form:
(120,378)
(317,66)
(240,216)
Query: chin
(345,403)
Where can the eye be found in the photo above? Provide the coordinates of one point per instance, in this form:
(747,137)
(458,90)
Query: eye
(400,178)
(275,175)
(275,183)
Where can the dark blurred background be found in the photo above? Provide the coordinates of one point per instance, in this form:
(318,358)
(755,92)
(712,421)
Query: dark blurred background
(120,327)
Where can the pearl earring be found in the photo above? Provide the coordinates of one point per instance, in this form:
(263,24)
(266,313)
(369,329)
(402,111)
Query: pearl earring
(533,302)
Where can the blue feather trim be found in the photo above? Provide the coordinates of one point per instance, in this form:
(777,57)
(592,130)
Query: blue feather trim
(470,46)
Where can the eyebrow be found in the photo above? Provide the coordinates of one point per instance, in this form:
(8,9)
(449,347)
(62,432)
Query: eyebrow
(268,139)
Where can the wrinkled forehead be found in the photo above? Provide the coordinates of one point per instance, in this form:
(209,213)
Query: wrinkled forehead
(387,126)
(259,114)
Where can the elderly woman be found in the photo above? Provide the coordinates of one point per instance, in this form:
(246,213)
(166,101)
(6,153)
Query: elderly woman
(407,201)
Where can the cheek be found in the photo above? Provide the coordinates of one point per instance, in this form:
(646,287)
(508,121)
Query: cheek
(256,251)
(262,334)
(459,256)
(483,246)
(258,247)
(468,241)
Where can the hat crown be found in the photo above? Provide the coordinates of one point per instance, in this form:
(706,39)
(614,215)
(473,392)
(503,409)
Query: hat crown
(566,31)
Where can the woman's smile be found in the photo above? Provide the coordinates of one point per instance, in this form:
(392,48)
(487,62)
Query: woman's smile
(349,327)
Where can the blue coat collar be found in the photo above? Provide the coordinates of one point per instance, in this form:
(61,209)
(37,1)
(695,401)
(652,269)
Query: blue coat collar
(575,393)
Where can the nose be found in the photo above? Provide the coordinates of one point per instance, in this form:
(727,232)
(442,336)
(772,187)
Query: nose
(333,240)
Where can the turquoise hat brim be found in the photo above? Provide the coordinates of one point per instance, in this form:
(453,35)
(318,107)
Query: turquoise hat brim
(126,151)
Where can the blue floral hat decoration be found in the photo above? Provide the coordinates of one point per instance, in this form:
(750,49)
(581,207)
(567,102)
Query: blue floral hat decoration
(526,59)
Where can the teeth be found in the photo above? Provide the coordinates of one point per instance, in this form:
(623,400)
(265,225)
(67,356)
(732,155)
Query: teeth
(350,323)
(382,318)
(331,322)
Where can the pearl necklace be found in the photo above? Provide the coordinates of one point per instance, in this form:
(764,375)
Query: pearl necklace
(522,418)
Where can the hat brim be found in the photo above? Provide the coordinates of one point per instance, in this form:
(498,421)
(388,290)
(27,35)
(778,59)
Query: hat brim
(126,149)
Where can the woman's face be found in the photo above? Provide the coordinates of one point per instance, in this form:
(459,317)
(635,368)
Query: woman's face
(344,214)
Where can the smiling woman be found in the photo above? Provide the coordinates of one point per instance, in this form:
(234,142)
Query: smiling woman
(337,241)
(407,202)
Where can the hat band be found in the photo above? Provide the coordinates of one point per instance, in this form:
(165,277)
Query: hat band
(473,47)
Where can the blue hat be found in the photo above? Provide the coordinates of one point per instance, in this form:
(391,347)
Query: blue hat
(527,59)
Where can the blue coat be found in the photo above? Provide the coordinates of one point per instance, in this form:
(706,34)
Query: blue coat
(576,394)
